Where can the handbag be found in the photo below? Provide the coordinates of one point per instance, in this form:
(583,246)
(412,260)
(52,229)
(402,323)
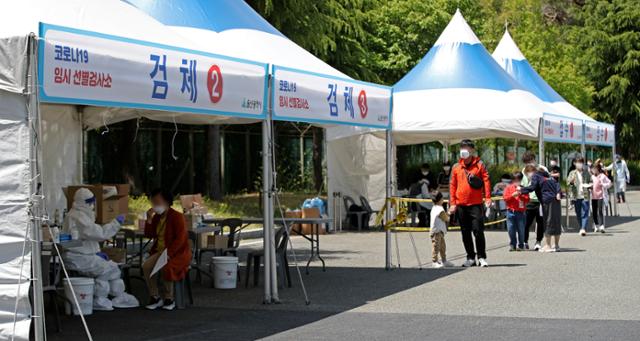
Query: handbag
(474,181)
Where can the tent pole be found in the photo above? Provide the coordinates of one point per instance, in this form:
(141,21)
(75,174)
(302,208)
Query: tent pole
(272,192)
(266,213)
(388,216)
(446,151)
(541,142)
(35,217)
(615,188)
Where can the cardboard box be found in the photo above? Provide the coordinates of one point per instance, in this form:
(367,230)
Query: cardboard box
(108,207)
(217,242)
(294,214)
(313,212)
(116,254)
(189,202)
(190,221)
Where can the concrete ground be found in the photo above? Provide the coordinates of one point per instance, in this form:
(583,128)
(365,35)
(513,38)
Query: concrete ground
(590,290)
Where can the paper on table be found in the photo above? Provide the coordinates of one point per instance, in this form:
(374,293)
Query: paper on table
(160,263)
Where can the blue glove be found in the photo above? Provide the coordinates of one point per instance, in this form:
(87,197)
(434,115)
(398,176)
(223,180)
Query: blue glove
(120,219)
(102,255)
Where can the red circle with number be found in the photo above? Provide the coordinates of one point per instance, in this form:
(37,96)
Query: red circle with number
(214,84)
(362,103)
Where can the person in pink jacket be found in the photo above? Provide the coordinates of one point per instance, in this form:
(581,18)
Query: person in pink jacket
(601,184)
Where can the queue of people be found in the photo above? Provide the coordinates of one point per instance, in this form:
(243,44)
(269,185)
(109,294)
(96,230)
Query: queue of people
(532,199)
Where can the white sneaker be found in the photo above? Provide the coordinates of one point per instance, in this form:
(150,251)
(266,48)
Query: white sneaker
(483,263)
(537,247)
(436,265)
(469,263)
(601,228)
(447,264)
(154,303)
(583,232)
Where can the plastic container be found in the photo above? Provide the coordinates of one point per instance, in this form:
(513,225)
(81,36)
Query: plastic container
(83,288)
(225,272)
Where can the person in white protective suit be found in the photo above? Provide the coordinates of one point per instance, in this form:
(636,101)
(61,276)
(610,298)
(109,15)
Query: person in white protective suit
(623,177)
(85,260)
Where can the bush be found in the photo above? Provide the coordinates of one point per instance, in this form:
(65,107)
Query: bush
(496,171)
(634,171)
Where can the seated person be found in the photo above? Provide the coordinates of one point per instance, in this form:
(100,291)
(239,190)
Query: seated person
(167,227)
(85,260)
(444,177)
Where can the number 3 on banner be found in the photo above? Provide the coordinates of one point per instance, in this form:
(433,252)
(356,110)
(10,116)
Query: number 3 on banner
(214,84)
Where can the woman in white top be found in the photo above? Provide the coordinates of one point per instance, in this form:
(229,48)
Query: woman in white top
(579,181)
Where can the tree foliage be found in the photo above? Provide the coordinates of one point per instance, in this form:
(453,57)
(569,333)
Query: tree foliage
(609,39)
(587,50)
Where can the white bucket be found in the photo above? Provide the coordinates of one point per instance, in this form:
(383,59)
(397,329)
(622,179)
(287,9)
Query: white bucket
(83,288)
(225,272)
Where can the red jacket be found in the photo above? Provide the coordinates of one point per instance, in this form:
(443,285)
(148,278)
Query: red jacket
(459,190)
(176,240)
(518,203)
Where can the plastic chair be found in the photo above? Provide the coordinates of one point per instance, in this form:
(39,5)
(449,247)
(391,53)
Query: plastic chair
(254,259)
(234,225)
(357,215)
(367,207)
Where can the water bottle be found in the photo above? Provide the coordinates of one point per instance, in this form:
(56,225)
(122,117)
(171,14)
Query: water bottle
(55,234)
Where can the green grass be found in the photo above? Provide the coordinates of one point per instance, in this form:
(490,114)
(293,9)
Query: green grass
(237,205)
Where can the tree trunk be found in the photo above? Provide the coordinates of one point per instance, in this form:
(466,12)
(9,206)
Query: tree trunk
(129,160)
(317,159)
(212,162)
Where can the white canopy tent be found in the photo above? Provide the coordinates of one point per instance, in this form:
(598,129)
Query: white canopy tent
(41,144)
(243,33)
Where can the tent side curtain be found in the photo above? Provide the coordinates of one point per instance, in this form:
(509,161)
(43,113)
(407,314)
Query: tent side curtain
(13,54)
(15,259)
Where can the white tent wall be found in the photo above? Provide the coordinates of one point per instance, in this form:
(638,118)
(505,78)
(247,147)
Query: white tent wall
(15,259)
(356,166)
(61,153)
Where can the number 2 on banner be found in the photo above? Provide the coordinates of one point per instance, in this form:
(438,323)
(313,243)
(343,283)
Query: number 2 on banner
(214,84)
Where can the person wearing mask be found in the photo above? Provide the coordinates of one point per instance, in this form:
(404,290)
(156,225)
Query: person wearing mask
(469,189)
(623,177)
(579,181)
(537,176)
(599,196)
(85,260)
(421,189)
(444,176)
(167,227)
(552,210)
(533,213)
(516,207)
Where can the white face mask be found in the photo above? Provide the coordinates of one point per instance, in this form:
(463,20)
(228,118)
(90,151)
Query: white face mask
(464,153)
(446,168)
(529,175)
(589,164)
(159,209)
(553,163)
(425,172)
(579,166)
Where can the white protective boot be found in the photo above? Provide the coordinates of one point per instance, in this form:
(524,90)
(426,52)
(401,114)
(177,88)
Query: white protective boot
(120,298)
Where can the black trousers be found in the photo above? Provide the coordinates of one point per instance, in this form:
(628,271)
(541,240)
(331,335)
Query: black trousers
(533,214)
(471,220)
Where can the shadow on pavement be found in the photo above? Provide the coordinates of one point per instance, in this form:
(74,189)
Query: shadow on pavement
(239,315)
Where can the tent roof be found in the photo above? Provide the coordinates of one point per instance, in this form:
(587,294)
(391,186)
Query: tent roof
(511,59)
(457,60)
(20,18)
(239,32)
(458,91)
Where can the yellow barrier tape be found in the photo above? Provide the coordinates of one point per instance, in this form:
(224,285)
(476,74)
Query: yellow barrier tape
(426,229)
(402,212)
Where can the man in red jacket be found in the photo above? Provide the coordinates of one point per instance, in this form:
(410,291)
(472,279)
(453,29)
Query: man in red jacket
(470,188)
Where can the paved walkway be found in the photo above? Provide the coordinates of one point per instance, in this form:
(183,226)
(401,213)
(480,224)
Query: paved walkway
(591,291)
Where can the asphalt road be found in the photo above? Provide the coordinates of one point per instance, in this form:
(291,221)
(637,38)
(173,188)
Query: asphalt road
(590,291)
